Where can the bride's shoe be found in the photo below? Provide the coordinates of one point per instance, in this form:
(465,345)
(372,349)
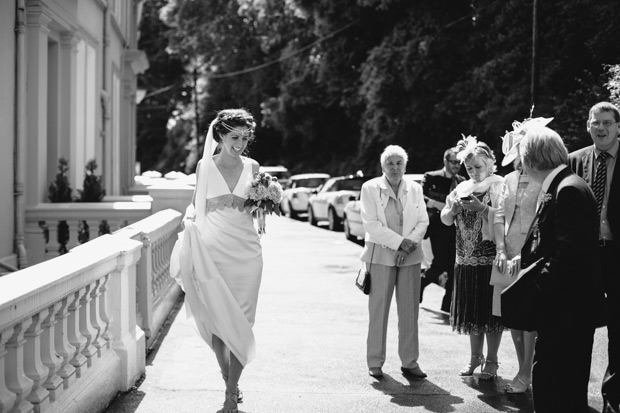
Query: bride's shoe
(489,372)
(473,365)
(239,392)
(230,404)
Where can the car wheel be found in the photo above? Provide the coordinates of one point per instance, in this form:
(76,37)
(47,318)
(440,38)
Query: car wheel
(334,222)
(311,218)
(347,230)
(291,212)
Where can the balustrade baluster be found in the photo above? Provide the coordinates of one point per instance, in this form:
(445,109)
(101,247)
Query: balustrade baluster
(73,331)
(86,328)
(7,398)
(93,229)
(33,365)
(103,310)
(48,352)
(16,379)
(61,340)
(95,319)
(74,230)
(52,247)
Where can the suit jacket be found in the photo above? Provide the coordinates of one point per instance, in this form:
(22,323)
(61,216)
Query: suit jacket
(374,199)
(565,231)
(581,162)
(436,186)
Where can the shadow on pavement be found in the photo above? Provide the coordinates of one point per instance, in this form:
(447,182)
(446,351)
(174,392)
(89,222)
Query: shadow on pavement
(165,328)
(495,396)
(439,316)
(418,393)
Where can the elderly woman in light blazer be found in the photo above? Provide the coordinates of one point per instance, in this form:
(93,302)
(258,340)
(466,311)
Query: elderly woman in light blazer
(395,220)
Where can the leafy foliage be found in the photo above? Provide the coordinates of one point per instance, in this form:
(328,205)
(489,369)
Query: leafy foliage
(332,82)
(93,190)
(60,190)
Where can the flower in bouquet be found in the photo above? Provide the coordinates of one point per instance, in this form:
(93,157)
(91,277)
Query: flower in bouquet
(264,194)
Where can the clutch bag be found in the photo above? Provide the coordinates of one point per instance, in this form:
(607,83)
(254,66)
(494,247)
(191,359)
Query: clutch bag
(522,300)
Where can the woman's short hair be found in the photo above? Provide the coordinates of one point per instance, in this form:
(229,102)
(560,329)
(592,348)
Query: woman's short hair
(391,150)
(543,149)
(229,119)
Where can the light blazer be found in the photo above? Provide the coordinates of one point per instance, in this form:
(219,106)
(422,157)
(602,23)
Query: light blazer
(570,280)
(512,183)
(581,162)
(374,200)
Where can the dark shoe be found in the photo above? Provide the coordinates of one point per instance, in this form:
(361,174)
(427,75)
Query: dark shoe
(414,372)
(489,372)
(375,372)
(474,362)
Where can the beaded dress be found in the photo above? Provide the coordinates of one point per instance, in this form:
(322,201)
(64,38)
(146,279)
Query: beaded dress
(472,299)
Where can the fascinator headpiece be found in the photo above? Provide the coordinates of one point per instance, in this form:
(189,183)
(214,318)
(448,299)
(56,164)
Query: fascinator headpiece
(511,140)
(466,147)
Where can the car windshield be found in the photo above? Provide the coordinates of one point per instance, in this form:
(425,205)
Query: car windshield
(309,182)
(351,184)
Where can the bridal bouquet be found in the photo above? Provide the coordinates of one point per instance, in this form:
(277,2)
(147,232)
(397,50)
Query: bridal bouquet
(264,195)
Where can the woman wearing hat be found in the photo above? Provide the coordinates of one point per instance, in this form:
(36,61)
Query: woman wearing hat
(515,213)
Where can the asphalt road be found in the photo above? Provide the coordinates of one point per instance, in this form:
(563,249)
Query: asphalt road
(310,330)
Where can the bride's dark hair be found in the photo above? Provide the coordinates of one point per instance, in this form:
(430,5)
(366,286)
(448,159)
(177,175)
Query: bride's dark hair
(231,119)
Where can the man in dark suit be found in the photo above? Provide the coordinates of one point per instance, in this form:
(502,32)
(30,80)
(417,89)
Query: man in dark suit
(597,164)
(436,186)
(564,233)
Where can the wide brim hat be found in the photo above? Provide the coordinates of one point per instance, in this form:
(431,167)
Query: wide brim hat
(511,140)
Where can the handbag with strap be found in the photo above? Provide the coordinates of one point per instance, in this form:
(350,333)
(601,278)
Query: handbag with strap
(363,276)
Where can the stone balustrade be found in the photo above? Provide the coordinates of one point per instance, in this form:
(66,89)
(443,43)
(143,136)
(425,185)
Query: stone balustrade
(74,329)
(68,334)
(156,291)
(53,229)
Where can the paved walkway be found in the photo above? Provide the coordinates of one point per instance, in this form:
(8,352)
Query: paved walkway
(311,333)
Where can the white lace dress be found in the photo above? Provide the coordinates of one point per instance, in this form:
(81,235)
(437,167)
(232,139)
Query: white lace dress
(220,266)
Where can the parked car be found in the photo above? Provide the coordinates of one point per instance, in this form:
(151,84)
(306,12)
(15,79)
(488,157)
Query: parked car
(354,229)
(300,187)
(279,172)
(328,203)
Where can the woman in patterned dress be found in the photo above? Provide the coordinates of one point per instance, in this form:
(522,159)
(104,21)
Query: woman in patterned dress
(470,207)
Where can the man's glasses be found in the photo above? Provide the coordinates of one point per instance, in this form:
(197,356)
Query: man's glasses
(605,123)
(453,162)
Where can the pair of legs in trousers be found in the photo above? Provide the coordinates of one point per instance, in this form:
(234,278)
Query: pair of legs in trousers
(443,245)
(611,277)
(561,370)
(406,282)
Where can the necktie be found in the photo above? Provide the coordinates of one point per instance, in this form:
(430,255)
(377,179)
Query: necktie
(598,187)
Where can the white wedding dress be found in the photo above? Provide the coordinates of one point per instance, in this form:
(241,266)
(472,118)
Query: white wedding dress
(220,265)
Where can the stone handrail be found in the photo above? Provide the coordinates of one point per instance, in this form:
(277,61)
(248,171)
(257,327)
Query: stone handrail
(52,229)
(156,291)
(68,334)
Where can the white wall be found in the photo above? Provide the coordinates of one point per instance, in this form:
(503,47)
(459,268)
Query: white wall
(7,92)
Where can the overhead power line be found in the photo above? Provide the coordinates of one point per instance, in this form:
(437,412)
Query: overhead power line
(335,32)
(281,58)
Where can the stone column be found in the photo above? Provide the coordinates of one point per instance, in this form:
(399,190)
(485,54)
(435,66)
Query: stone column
(36,102)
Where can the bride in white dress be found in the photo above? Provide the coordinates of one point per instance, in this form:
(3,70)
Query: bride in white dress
(218,258)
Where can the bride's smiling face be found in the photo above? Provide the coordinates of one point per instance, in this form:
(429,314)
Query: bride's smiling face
(234,142)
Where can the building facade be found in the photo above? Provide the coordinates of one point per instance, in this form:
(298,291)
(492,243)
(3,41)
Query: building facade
(68,77)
